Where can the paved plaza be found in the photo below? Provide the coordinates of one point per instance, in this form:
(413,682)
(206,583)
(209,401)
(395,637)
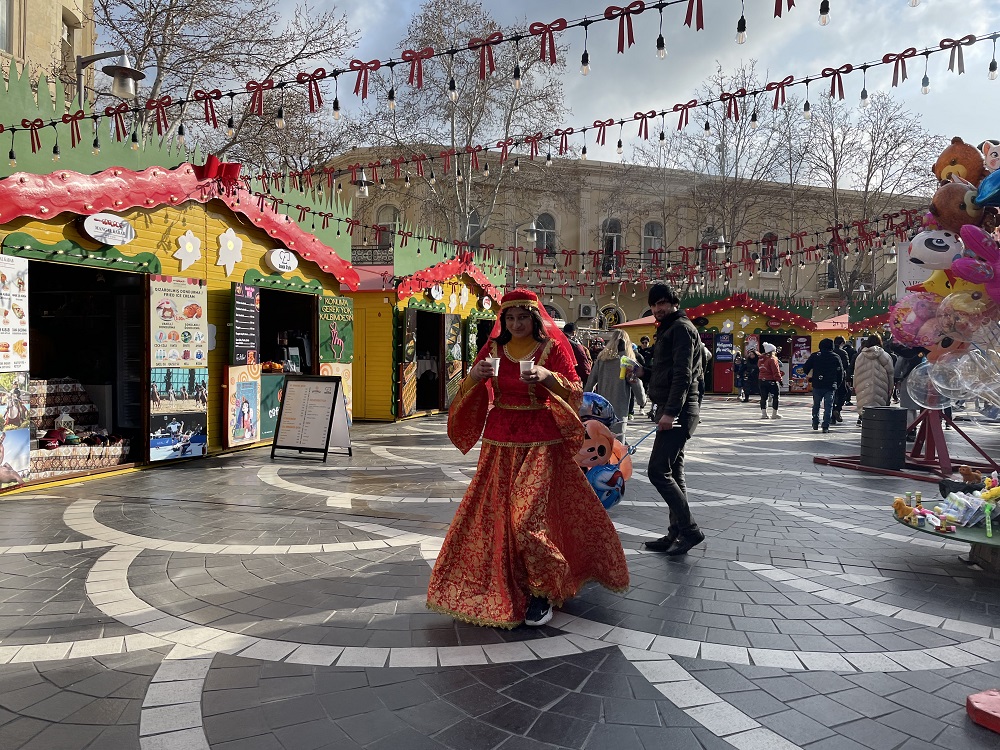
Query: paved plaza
(242,604)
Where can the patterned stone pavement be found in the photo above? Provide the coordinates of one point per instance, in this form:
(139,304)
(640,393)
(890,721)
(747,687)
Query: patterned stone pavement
(243,603)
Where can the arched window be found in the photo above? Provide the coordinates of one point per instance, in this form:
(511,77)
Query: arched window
(475,229)
(388,217)
(611,241)
(652,237)
(545,234)
(769,252)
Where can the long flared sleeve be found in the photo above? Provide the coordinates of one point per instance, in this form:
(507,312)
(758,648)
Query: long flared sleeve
(467,414)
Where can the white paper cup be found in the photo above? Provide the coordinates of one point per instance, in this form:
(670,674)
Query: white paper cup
(527,365)
(494,362)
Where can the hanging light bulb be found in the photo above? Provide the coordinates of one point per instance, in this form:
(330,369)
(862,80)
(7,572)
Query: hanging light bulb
(663,139)
(754,122)
(570,298)
(135,140)
(432,179)
(12,157)
(517,166)
(336,108)
(583,153)
(459,178)
(517,76)
(180,134)
(806,110)
(452,89)
(864,98)
(55,152)
(381,183)
(620,149)
(406,181)
(279,118)
(925,85)
(390,99)
(708,127)
(585,63)
(661,47)
(340,188)
(914,3)
(548,159)
(992,75)
(97,145)
(230,127)
(741,30)
(486,170)
(824,12)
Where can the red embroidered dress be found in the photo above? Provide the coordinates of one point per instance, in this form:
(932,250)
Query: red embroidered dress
(529,524)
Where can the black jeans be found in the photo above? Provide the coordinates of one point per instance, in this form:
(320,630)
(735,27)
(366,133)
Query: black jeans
(840,396)
(666,472)
(824,396)
(768,388)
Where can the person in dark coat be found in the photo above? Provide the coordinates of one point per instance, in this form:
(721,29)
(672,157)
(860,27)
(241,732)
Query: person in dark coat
(843,395)
(645,356)
(826,372)
(673,387)
(751,371)
(738,371)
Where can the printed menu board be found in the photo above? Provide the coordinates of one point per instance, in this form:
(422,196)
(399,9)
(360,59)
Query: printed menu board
(306,413)
(178,324)
(13,314)
(245,349)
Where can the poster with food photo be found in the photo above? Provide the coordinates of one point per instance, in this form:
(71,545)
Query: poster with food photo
(178,321)
(13,314)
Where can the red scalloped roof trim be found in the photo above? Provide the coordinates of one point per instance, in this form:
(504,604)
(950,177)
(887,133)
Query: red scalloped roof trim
(875,320)
(119,189)
(746,302)
(441,272)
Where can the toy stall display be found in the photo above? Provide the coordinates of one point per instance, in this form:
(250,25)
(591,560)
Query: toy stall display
(970,503)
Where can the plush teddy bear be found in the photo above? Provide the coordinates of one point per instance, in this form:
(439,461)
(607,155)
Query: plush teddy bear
(962,160)
(970,475)
(954,206)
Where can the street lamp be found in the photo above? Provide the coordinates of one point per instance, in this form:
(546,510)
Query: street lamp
(124,76)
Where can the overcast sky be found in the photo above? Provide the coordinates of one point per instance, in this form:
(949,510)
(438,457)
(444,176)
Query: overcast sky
(859,30)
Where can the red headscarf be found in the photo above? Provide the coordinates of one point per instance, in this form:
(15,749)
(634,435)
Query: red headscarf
(529,300)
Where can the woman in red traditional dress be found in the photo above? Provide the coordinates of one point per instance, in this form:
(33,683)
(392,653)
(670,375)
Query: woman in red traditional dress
(530,530)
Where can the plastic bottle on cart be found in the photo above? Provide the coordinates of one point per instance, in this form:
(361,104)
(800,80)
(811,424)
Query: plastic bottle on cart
(918,499)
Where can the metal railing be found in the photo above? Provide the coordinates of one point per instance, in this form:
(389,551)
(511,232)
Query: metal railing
(372,255)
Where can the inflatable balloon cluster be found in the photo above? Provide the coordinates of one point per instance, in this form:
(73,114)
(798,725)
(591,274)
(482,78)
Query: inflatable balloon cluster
(958,376)
(959,304)
(603,458)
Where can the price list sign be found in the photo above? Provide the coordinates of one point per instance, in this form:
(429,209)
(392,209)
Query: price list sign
(245,349)
(309,410)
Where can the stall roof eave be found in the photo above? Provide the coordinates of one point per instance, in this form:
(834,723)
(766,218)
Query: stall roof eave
(119,189)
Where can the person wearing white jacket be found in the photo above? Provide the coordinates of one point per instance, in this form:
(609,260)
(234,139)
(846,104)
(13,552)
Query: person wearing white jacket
(872,375)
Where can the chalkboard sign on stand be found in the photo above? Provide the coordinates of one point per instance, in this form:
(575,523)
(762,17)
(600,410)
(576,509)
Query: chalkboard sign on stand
(313,416)
(245,341)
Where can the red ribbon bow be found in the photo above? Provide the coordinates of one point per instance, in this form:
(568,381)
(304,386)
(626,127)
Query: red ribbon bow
(835,239)
(446,157)
(312,86)
(564,139)
(778,87)
(473,152)
(363,69)
(683,118)
(159,107)
(485,47)
(532,140)
(351,224)
(777,7)
(548,41)
(209,98)
(624,16)
(692,5)
(567,255)
(118,113)
(378,229)
(602,129)
(303,210)
(418,162)
(911,215)
(890,221)
(504,147)
(257,100)
(404,237)
(643,119)
(955,45)
(836,76)
(33,126)
(434,243)
(416,60)
(732,103)
(397,166)
(798,237)
(595,257)
(353,168)
(73,120)
(374,166)
(899,63)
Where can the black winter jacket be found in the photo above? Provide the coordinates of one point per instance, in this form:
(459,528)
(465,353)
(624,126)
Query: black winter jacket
(825,369)
(677,366)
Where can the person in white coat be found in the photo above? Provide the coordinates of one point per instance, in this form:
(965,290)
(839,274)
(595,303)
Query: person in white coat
(873,379)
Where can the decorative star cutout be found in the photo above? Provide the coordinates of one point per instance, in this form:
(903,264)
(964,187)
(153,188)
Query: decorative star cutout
(230,250)
(189,250)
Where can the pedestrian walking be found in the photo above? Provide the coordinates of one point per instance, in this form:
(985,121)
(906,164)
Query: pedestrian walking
(873,375)
(751,374)
(530,531)
(769,380)
(615,381)
(826,372)
(843,396)
(646,363)
(584,362)
(738,373)
(674,389)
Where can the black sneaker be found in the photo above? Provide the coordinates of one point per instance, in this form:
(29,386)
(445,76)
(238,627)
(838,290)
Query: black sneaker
(815,425)
(826,428)
(662,544)
(685,543)
(539,612)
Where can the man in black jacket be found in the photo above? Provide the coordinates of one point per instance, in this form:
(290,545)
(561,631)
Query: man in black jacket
(842,396)
(826,372)
(673,387)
